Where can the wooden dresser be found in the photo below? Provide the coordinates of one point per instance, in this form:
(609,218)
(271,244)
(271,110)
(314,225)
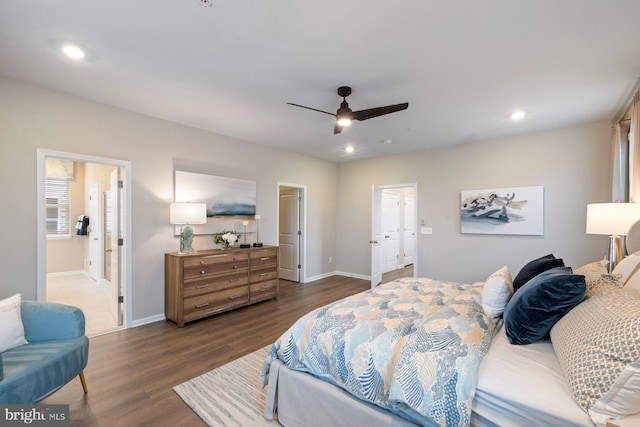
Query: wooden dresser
(209,282)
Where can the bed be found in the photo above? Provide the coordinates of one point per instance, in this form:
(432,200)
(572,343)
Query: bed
(419,351)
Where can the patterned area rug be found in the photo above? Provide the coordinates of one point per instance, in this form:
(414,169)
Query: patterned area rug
(231,395)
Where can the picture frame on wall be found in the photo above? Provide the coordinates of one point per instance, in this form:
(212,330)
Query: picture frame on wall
(515,211)
(228,200)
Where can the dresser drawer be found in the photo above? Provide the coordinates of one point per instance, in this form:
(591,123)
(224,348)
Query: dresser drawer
(264,258)
(263,290)
(215,269)
(208,284)
(262,275)
(204,305)
(205,260)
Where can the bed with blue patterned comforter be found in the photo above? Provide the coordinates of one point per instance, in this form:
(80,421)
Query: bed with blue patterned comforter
(411,346)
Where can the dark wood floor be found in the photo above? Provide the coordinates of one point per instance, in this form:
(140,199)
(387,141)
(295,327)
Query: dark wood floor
(131,373)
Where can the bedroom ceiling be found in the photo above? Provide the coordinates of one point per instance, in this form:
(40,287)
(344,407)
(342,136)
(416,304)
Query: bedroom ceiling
(463,66)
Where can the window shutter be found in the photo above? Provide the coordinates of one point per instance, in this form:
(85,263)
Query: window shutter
(57,206)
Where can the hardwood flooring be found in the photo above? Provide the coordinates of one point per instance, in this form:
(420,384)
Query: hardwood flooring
(131,373)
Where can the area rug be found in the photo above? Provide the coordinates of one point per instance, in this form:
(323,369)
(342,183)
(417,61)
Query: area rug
(231,395)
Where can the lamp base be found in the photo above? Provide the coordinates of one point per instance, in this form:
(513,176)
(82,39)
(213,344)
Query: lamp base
(245,245)
(257,245)
(615,251)
(186,239)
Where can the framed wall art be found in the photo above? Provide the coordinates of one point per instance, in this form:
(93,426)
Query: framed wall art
(517,210)
(228,200)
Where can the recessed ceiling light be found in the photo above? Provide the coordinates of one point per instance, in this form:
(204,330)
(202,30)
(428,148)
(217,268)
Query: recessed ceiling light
(349,149)
(518,115)
(387,141)
(73,52)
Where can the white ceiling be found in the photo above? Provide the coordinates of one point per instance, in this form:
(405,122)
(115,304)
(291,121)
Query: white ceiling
(463,66)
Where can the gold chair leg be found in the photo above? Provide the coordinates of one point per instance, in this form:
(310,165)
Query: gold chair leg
(84,383)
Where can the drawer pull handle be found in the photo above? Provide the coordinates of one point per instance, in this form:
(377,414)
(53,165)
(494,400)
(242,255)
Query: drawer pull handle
(264,258)
(235,267)
(234,296)
(262,274)
(233,280)
(212,311)
(201,262)
(202,286)
(202,271)
(264,289)
(202,305)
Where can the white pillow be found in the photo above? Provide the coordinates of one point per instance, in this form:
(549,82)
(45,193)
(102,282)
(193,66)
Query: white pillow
(497,292)
(627,267)
(11,328)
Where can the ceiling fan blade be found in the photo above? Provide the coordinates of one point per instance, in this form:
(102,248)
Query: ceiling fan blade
(313,109)
(379,111)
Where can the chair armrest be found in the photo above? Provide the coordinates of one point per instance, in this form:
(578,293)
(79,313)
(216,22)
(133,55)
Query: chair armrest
(46,321)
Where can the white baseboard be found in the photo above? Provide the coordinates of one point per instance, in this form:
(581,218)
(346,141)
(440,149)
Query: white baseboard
(357,276)
(68,273)
(147,320)
(319,276)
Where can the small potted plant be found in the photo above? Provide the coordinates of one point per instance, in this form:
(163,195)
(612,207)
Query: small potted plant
(226,238)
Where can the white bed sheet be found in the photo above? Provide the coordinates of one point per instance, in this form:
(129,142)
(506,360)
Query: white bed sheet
(524,386)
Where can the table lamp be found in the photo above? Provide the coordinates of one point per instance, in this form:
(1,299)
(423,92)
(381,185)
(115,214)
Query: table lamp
(614,220)
(184,214)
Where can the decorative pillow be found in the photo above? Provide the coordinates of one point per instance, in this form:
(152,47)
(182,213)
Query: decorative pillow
(540,303)
(625,268)
(11,329)
(598,347)
(535,267)
(496,292)
(597,278)
(633,285)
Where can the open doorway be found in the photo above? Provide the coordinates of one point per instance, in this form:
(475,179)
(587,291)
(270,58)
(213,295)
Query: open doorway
(291,236)
(393,242)
(81,243)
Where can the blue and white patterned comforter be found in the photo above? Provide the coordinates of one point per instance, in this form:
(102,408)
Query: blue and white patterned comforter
(412,346)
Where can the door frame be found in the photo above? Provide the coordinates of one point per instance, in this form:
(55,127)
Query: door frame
(41,252)
(303,224)
(381,187)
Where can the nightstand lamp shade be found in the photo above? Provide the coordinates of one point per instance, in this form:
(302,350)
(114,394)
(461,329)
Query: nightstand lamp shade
(614,220)
(186,214)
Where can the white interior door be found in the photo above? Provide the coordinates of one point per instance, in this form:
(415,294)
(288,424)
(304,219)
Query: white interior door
(376,236)
(116,245)
(409,229)
(390,230)
(95,231)
(289,234)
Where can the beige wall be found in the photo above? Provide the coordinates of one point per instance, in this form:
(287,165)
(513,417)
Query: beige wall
(572,164)
(32,118)
(65,255)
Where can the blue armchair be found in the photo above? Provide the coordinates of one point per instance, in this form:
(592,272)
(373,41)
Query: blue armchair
(58,351)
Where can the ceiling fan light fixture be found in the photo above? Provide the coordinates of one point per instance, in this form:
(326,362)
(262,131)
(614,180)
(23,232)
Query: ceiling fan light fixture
(344,121)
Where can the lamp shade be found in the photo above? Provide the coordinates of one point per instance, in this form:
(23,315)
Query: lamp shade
(188,213)
(613,219)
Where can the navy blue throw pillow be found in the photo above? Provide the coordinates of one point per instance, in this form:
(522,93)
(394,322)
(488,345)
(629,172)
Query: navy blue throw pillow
(535,267)
(539,304)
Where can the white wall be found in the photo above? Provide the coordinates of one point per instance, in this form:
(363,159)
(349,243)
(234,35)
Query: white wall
(572,164)
(32,118)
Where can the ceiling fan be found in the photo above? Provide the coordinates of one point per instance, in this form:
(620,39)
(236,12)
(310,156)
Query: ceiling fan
(344,116)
